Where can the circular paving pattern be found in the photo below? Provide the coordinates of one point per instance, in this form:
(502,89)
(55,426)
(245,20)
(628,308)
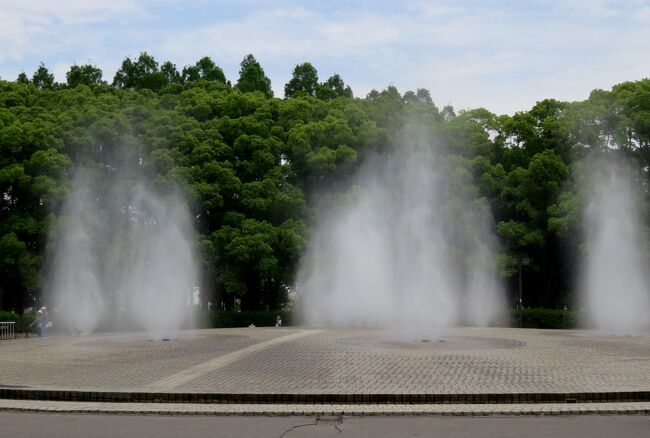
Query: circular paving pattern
(445,343)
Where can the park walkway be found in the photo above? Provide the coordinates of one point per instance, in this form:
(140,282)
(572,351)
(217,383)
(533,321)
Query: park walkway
(348,367)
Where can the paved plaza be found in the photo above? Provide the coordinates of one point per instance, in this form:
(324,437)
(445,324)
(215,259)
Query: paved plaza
(312,361)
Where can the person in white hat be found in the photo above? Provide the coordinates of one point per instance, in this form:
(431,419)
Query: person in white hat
(43,321)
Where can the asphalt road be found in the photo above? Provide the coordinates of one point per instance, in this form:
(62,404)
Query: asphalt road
(29,425)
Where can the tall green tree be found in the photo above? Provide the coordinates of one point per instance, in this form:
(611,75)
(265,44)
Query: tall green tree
(531,195)
(22,78)
(170,73)
(143,72)
(206,69)
(304,81)
(42,78)
(332,88)
(253,78)
(87,74)
(259,171)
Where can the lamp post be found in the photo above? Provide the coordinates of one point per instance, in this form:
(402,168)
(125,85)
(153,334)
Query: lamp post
(523,261)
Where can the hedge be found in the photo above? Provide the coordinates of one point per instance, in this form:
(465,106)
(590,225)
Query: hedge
(532,318)
(546,318)
(23,322)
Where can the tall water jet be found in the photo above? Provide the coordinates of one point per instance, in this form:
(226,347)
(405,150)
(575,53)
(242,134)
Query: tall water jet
(484,300)
(162,271)
(388,256)
(123,258)
(614,284)
(74,284)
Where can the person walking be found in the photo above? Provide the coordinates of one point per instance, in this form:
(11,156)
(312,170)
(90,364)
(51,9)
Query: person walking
(42,322)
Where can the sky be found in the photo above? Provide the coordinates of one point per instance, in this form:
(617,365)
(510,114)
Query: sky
(497,54)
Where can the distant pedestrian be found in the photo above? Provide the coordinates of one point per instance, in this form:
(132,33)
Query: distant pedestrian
(43,322)
(278,321)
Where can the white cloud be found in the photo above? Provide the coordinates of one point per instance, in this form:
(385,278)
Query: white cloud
(73,12)
(643,13)
(464,52)
(435,9)
(601,8)
(41,27)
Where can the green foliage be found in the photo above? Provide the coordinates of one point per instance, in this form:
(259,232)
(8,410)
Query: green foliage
(22,78)
(26,323)
(42,78)
(258,171)
(205,69)
(252,77)
(541,318)
(421,96)
(23,322)
(145,73)
(332,88)
(87,75)
(9,317)
(303,82)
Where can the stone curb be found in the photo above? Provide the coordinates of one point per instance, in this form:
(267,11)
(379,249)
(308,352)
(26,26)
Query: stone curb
(260,398)
(323,410)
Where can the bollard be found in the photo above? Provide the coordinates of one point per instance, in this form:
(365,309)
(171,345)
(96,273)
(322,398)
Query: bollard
(7,330)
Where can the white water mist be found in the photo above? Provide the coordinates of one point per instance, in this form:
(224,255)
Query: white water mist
(484,300)
(389,258)
(614,284)
(74,285)
(123,259)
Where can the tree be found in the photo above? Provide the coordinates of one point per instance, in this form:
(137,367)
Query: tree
(424,96)
(19,272)
(410,97)
(259,171)
(448,112)
(304,81)
(22,78)
(87,74)
(205,69)
(252,77)
(42,78)
(170,73)
(332,88)
(372,95)
(531,193)
(142,73)
(629,115)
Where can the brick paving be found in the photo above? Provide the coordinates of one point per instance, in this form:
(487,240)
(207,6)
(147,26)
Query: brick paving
(127,361)
(306,361)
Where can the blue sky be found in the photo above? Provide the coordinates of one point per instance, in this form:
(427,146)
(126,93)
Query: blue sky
(501,55)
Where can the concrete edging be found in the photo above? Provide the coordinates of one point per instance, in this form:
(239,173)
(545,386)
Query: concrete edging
(319,410)
(296,398)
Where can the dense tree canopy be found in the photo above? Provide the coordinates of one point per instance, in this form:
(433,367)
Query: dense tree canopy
(87,75)
(143,72)
(205,68)
(42,78)
(304,81)
(332,88)
(258,170)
